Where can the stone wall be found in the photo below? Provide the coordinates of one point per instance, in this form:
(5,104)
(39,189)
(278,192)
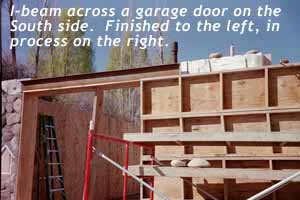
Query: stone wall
(11,117)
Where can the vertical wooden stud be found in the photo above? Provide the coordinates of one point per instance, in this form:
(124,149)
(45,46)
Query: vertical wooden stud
(27,147)
(267,87)
(96,117)
(221,92)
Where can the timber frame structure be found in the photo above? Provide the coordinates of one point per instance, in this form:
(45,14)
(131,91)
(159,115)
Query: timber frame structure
(95,82)
(178,115)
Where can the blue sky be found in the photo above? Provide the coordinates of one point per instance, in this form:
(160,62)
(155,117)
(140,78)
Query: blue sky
(196,45)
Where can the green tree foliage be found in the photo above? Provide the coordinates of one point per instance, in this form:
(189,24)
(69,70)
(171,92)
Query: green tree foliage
(58,61)
(125,102)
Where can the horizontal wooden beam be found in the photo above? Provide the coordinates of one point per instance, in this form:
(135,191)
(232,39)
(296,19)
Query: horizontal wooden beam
(83,88)
(229,112)
(250,69)
(214,137)
(224,157)
(236,173)
(105,80)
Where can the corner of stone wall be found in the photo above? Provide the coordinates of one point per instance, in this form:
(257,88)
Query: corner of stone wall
(11,124)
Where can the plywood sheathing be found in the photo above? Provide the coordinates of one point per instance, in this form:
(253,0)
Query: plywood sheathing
(72,137)
(263,99)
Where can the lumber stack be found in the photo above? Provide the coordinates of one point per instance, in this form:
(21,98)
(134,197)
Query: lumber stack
(246,123)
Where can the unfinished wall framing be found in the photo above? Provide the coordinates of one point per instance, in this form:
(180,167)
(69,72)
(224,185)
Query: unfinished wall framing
(265,99)
(95,82)
(72,137)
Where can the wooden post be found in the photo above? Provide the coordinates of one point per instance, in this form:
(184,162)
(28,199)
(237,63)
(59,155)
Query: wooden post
(96,117)
(27,147)
(88,162)
(174,52)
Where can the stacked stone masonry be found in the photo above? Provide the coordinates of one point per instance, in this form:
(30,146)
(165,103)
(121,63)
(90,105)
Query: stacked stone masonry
(11,124)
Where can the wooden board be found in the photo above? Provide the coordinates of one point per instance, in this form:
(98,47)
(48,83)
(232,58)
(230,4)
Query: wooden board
(104,80)
(72,137)
(248,123)
(27,147)
(286,122)
(162,97)
(204,125)
(244,90)
(225,157)
(201,94)
(244,101)
(213,186)
(239,137)
(169,186)
(158,127)
(284,86)
(237,173)
(172,190)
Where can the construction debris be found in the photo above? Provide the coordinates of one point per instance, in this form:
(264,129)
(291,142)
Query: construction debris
(198,162)
(216,55)
(178,163)
(253,51)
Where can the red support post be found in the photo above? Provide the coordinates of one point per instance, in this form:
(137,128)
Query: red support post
(89,152)
(88,165)
(125,175)
(121,141)
(152,185)
(152,178)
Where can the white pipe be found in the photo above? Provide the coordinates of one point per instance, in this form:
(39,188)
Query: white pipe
(162,196)
(275,187)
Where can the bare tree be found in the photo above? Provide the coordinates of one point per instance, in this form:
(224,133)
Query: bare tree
(1,34)
(12,34)
(40,35)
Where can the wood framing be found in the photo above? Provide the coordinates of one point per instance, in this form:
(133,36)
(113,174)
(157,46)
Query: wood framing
(89,82)
(27,147)
(236,173)
(188,137)
(71,125)
(230,114)
(33,89)
(223,157)
(263,99)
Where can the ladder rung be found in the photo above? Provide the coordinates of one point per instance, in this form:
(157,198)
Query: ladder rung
(51,147)
(49,138)
(52,151)
(55,163)
(49,126)
(57,190)
(52,177)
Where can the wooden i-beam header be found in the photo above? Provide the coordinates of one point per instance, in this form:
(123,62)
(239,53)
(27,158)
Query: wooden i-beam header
(89,82)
